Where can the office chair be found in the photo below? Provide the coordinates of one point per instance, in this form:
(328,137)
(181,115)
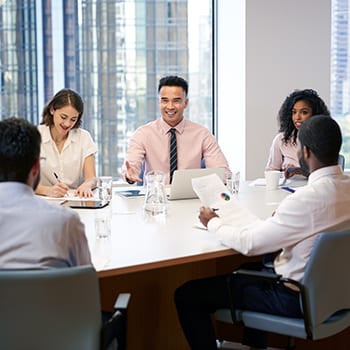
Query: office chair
(324,295)
(56,309)
(341,161)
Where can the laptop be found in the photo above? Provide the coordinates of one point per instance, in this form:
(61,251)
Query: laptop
(181,186)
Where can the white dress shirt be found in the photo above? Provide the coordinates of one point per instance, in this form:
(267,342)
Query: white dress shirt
(37,234)
(323,205)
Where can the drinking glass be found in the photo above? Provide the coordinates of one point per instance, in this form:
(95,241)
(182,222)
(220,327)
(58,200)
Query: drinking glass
(105,184)
(232,182)
(155,199)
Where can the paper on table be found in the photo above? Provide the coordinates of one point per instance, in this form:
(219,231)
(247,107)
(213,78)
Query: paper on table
(214,194)
(262,182)
(70,197)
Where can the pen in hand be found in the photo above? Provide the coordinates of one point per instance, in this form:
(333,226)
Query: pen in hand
(60,188)
(57,178)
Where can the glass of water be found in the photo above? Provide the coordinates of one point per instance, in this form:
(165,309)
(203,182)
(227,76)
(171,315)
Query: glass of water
(105,186)
(232,183)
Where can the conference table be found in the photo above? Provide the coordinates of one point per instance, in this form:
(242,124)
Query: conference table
(139,241)
(150,256)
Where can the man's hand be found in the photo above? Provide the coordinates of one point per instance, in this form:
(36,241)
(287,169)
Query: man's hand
(130,174)
(205,215)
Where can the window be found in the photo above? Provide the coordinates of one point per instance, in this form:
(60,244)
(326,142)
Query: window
(113,53)
(340,71)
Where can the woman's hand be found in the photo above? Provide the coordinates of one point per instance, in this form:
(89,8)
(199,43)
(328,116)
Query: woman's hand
(57,190)
(84,191)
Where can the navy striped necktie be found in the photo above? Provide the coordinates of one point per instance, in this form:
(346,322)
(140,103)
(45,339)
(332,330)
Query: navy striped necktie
(173,153)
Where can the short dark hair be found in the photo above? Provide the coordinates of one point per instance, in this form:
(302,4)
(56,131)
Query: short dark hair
(173,80)
(19,149)
(322,135)
(63,98)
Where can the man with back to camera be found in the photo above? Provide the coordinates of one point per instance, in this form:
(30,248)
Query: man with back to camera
(321,206)
(34,233)
(151,142)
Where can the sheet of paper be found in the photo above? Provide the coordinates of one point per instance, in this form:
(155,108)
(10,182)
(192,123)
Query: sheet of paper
(70,196)
(213,193)
(262,182)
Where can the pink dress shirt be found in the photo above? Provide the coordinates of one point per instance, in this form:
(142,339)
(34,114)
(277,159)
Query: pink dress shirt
(150,144)
(282,154)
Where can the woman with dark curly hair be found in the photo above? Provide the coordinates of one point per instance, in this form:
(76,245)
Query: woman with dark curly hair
(296,108)
(68,149)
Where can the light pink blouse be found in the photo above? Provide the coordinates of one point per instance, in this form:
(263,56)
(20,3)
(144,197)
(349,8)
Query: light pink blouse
(282,154)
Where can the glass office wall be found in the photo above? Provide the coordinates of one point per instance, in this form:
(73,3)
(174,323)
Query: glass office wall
(112,52)
(340,71)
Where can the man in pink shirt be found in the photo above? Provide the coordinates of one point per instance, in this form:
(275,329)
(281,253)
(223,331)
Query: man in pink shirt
(150,145)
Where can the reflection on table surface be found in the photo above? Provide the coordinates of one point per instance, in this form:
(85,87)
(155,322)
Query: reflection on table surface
(138,239)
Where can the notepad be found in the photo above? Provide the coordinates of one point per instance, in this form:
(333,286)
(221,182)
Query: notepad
(130,193)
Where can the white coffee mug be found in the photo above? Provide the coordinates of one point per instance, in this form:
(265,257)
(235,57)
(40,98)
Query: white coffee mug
(272,178)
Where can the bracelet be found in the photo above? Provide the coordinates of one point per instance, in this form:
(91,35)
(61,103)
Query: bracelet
(129,181)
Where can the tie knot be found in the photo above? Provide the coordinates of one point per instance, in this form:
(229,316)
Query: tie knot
(173,130)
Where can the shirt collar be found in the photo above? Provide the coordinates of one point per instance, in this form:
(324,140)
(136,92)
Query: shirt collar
(324,172)
(46,135)
(14,190)
(166,127)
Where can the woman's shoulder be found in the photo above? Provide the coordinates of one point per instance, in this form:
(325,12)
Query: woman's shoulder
(80,133)
(82,137)
(278,138)
(44,132)
(42,128)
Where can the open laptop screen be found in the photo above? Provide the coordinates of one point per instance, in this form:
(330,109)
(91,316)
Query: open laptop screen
(181,186)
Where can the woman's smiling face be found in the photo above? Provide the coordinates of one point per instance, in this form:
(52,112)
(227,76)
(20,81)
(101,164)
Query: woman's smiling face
(300,112)
(64,119)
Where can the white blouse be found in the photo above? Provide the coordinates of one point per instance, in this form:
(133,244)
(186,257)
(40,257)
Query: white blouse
(68,164)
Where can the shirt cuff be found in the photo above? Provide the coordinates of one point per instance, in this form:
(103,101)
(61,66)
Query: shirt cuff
(214,224)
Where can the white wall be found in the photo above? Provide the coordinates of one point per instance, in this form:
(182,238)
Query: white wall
(286,47)
(230,92)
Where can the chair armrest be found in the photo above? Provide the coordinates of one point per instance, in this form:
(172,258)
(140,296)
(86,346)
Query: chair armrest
(259,274)
(116,326)
(122,301)
(269,277)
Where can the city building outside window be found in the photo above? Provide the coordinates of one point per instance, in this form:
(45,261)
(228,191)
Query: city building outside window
(340,71)
(113,53)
